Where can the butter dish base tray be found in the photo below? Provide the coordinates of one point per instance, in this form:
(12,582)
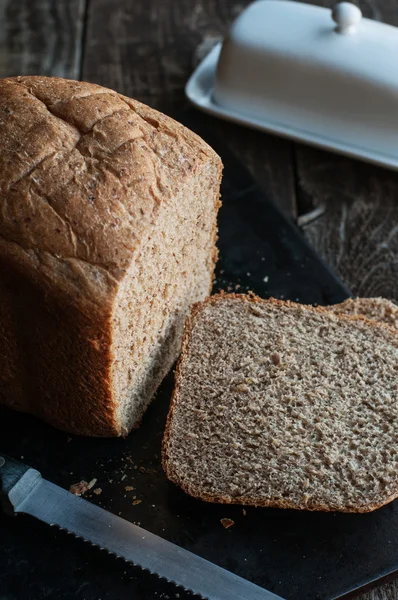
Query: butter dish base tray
(286,68)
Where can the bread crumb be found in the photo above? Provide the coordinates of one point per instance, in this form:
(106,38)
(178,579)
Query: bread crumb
(256,311)
(276,358)
(92,483)
(227,523)
(129,488)
(79,488)
(97,491)
(242,387)
(137,502)
(244,512)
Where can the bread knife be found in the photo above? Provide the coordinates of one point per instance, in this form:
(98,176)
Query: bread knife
(24,491)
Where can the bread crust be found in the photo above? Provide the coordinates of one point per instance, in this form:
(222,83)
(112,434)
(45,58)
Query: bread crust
(259,502)
(61,372)
(375,309)
(84,172)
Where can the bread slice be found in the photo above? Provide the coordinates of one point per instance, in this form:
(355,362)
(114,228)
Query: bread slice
(107,236)
(377,309)
(284,405)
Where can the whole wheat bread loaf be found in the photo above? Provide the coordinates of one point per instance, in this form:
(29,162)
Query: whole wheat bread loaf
(107,235)
(377,309)
(284,405)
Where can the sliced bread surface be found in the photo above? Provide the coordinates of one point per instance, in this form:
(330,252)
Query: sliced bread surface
(377,309)
(279,404)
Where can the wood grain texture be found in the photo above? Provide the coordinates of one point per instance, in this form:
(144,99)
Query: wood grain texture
(357,231)
(41,37)
(147,50)
(388,591)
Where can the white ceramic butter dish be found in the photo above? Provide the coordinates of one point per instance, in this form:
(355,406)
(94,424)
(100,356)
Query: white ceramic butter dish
(329,79)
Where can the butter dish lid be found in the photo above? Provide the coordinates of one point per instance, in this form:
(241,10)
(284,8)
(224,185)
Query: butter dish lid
(325,77)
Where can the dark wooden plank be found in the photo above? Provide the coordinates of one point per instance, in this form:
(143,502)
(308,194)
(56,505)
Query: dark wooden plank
(356,205)
(41,37)
(147,50)
(357,231)
(388,591)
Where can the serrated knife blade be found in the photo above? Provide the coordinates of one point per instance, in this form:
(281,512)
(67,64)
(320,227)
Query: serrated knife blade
(24,491)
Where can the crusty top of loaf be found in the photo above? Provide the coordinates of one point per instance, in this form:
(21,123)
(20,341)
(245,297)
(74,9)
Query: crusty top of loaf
(83,172)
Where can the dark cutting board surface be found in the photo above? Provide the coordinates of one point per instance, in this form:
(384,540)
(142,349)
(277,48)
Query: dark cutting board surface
(298,555)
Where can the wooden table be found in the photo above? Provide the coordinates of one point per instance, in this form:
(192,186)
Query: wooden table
(147,49)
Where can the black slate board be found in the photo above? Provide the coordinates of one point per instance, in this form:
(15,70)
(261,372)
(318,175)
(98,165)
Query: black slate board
(295,554)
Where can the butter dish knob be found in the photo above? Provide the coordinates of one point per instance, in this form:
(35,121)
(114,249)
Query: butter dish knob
(347,16)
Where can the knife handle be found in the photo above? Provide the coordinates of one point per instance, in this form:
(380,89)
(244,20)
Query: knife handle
(11,471)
